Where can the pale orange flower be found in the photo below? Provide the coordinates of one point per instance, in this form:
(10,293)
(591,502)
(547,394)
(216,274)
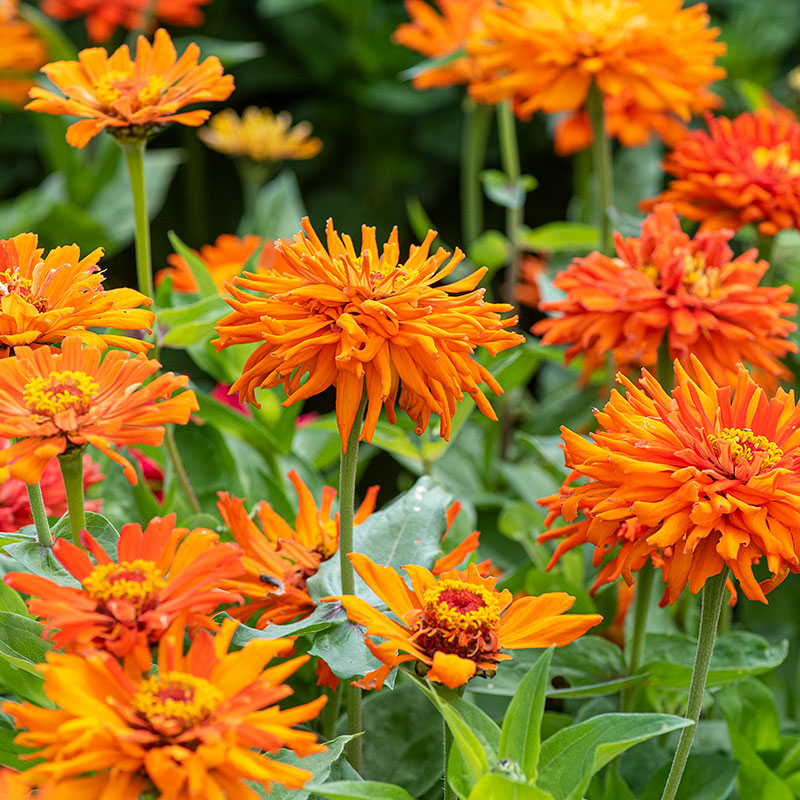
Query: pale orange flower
(667,284)
(131,98)
(45,298)
(21,55)
(545,54)
(705,478)
(198,728)
(366,322)
(103,17)
(742,171)
(51,400)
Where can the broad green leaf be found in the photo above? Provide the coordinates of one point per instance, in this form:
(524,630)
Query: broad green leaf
(322,617)
(548,450)
(205,283)
(570,757)
(520,736)
(97,525)
(32,557)
(706,777)
(21,650)
(490,250)
(230,53)
(279,209)
(498,787)
(615,787)
(343,648)
(11,601)
(185,325)
(10,752)
(504,191)
(361,790)
(558,237)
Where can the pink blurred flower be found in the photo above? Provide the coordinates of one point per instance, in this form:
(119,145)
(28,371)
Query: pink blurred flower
(220,393)
(151,472)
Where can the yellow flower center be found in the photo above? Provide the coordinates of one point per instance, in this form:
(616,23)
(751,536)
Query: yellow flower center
(745,447)
(151,91)
(60,391)
(651,270)
(11,282)
(176,701)
(137,581)
(778,158)
(113,85)
(460,606)
(698,278)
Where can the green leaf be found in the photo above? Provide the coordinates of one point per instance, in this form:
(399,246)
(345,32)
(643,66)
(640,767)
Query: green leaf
(490,249)
(321,618)
(498,787)
(10,752)
(34,558)
(230,53)
(559,237)
(97,525)
(344,650)
(706,777)
(361,790)
(205,283)
(279,208)
(192,323)
(21,649)
(520,735)
(11,601)
(570,757)
(503,191)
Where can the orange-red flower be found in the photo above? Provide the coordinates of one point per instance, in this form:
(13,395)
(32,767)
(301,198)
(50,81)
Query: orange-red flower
(125,604)
(711,473)
(665,283)
(197,728)
(21,55)
(15,507)
(131,98)
(439,36)
(52,400)
(742,171)
(103,17)
(225,259)
(365,322)
(43,298)
(455,625)
(545,54)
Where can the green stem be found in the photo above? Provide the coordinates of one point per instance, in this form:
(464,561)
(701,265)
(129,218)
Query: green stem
(601,155)
(254,176)
(449,794)
(134,158)
(477,121)
(330,713)
(644,591)
(713,594)
(71,461)
(180,472)
(665,370)
(509,156)
(39,515)
(765,244)
(347,492)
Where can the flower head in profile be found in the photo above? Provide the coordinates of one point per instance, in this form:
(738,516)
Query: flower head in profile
(455,625)
(51,400)
(367,323)
(441,36)
(103,17)
(200,726)
(741,171)
(260,135)
(693,291)
(705,478)
(545,54)
(131,98)
(44,298)
(21,55)
(126,603)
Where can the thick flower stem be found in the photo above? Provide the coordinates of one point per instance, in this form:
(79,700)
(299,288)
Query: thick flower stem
(180,472)
(713,594)
(644,591)
(603,171)
(134,158)
(509,155)
(477,121)
(449,794)
(71,462)
(347,491)
(39,515)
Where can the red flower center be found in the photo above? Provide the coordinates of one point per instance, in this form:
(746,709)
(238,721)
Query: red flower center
(462,600)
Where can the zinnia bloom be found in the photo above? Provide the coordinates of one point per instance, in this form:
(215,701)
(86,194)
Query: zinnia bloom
(260,135)
(196,729)
(131,98)
(545,54)
(43,298)
(438,36)
(710,472)
(455,625)
(103,17)
(15,507)
(51,400)
(125,605)
(742,171)
(21,55)
(665,283)
(367,322)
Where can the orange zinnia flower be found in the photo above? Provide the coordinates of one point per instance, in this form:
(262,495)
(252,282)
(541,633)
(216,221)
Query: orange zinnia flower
(131,98)
(545,54)
(126,604)
(44,298)
(225,259)
(103,17)
(711,472)
(455,625)
(367,322)
(196,729)
(260,135)
(694,291)
(21,55)
(439,36)
(745,170)
(52,400)
(278,558)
